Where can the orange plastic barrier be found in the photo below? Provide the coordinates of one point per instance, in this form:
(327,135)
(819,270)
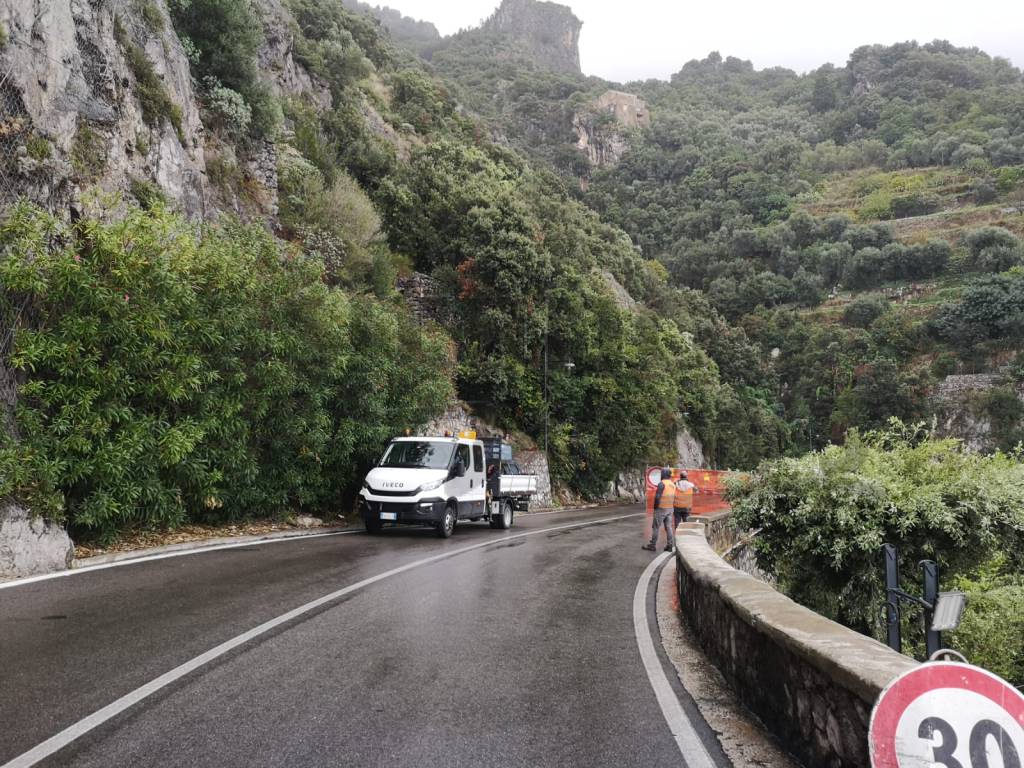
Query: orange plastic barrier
(709,495)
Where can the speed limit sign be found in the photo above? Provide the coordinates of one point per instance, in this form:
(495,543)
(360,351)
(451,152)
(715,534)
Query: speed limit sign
(948,715)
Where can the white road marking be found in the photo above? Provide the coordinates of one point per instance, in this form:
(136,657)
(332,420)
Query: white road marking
(200,550)
(82,727)
(164,556)
(690,746)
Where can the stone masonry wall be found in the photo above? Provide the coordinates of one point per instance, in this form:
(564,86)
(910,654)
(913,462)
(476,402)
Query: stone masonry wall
(811,681)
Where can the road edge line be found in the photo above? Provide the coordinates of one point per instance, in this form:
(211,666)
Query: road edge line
(78,729)
(691,747)
(198,550)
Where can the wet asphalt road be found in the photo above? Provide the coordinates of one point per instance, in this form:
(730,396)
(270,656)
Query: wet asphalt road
(518,654)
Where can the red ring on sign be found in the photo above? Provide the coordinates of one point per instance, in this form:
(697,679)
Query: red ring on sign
(908,687)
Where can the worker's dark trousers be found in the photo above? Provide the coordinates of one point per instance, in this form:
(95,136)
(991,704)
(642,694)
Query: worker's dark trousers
(662,517)
(681,514)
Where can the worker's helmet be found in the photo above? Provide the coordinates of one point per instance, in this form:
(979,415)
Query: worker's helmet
(666,473)
(682,474)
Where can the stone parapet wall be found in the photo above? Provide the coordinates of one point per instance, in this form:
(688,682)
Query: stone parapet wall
(812,682)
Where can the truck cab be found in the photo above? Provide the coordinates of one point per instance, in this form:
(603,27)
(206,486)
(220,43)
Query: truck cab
(426,481)
(438,481)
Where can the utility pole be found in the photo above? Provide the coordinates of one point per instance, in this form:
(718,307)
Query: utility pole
(547,402)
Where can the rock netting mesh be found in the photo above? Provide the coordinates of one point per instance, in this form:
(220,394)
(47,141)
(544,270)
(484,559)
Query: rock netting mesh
(15,133)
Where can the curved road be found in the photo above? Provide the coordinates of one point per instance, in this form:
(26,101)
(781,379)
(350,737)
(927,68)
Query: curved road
(492,648)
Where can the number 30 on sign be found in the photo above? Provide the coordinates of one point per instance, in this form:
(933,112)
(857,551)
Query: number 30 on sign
(948,715)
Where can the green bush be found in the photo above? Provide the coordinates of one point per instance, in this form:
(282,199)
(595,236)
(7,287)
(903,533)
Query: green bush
(229,107)
(823,518)
(864,310)
(151,15)
(223,38)
(993,249)
(174,376)
(147,193)
(38,148)
(89,152)
(991,632)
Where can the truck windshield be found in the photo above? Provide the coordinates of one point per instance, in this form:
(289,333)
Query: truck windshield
(418,454)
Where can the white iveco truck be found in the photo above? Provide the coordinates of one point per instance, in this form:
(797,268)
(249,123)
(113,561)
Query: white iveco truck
(439,481)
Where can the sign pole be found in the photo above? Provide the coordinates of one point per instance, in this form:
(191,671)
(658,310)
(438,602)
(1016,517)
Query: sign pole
(933,640)
(892,603)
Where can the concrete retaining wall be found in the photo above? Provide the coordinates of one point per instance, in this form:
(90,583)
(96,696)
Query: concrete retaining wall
(811,681)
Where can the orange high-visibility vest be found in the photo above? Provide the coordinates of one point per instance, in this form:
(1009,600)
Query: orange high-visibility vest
(684,495)
(668,495)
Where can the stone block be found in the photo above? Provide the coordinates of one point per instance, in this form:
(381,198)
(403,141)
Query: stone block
(29,545)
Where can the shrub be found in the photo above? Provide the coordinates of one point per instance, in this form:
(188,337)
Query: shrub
(225,36)
(944,365)
(864,310)
(151,15)
(824,517)
(172,375)
(985,192)
(89,152)
(914,204)
(991,634)
(147,194)
(38,148)
(229,106)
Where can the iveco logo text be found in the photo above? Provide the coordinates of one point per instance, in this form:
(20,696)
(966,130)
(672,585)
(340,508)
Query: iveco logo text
(394,485)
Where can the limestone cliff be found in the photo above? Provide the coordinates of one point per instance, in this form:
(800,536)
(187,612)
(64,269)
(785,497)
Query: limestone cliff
(602,130)
(546,33)
(68,95)
(74,115)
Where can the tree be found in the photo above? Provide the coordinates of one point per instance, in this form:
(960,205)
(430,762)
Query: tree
(993,249)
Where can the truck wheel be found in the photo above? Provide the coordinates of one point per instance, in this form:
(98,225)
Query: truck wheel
(447,525)
(373,524)
(505,517)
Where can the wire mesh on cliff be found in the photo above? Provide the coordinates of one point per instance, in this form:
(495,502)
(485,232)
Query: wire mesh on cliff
(15,132)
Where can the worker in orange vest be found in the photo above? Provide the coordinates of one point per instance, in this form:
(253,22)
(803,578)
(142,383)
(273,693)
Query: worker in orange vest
(664,504)
(683,499)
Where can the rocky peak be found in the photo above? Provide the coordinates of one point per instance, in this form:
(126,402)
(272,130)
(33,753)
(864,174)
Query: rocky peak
(548,33)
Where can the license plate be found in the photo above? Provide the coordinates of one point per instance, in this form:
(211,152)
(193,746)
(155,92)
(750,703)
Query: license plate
(388,515)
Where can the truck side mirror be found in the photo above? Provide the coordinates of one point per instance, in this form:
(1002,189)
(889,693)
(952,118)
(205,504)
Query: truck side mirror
(458,469)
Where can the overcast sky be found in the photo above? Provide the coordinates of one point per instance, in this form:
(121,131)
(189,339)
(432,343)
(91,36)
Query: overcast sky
(638,39)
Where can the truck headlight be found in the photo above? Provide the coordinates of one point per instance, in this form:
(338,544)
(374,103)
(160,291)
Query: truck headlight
(430,486)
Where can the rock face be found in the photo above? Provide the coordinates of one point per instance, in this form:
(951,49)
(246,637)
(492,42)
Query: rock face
(30,545)
(632,486)
(547,33)
(954,415)
(67,81)
(602,131)
(689,451)
(66,78)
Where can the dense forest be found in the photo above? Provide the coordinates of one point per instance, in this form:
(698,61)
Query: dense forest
(774,259)
(849,222)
